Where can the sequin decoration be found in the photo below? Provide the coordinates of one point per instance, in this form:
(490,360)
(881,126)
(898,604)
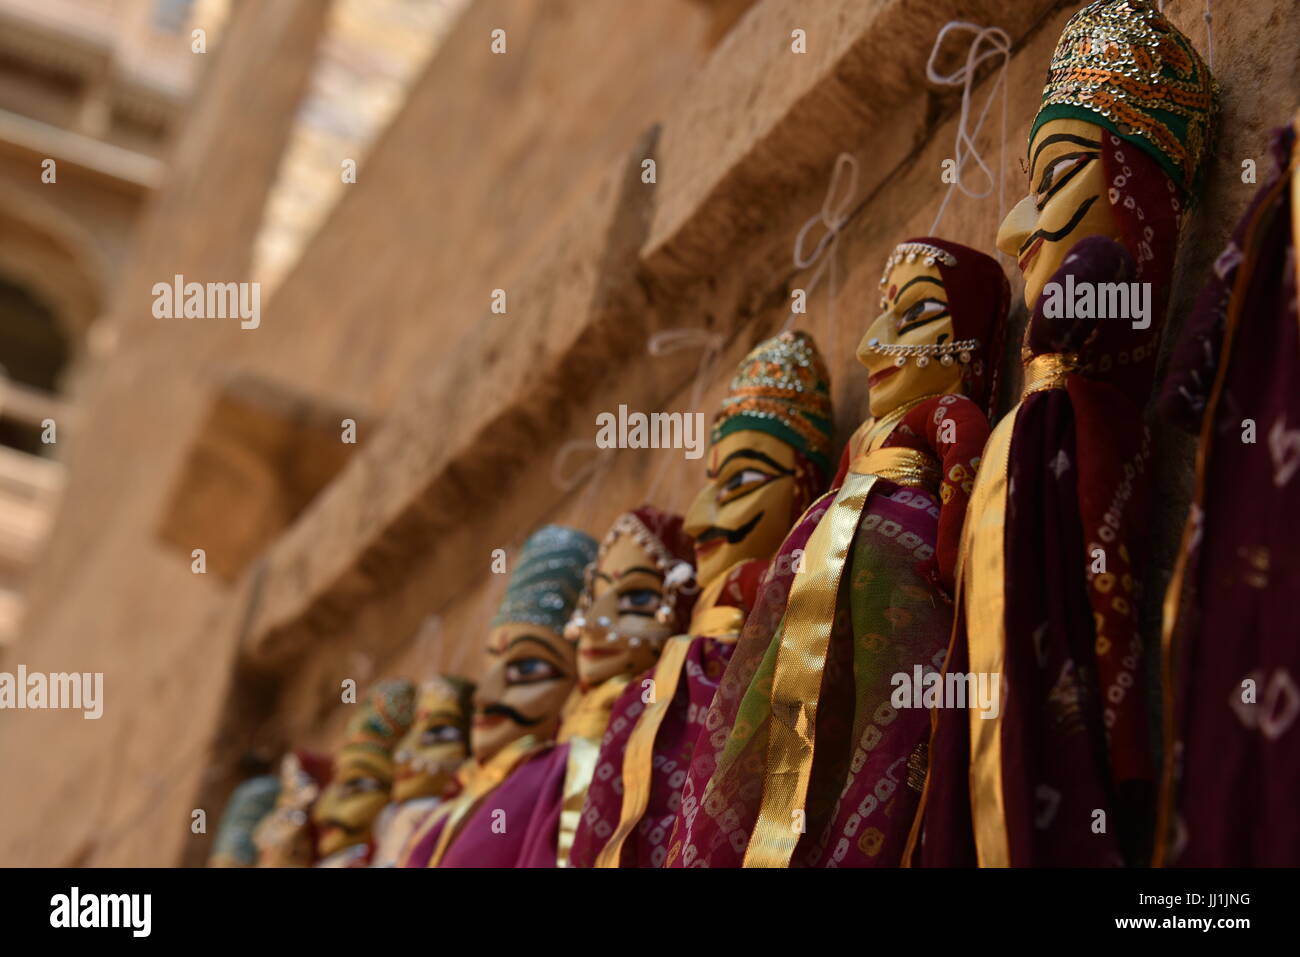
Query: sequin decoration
(783,388)
(547,578)
(1121,64)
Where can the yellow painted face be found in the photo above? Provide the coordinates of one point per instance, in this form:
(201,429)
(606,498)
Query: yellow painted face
(428,755)
(528,672)
(746,508)
(622,636)
(916,313)
(348,807)
(1067,202)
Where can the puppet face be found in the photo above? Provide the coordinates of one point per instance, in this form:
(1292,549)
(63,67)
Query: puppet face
(528,672)
(745,509)
(348,807)
(1067,202)
(437,744)
(916,314)
(621,634)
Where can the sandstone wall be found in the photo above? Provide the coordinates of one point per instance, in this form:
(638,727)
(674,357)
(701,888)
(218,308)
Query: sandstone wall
(519,172)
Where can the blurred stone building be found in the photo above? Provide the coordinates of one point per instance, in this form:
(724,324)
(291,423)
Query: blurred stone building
(522,170)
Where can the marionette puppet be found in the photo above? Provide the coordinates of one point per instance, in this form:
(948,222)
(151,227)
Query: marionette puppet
(529,671)
(425,762)
(249,803)
(362,782)
(1232,661)
(806,761)
(1058,771)
(286,837)
(768,459)
(637,594)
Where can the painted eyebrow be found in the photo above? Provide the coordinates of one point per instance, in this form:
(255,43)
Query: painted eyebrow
(1059,138)
(750,454)
(522,638)
(639,568)
(913,282)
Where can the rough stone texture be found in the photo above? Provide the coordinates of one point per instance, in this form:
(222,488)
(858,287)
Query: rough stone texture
(515,172)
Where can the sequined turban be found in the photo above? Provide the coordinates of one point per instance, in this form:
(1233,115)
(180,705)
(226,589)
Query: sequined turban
(547,578)
(1121,64)
(782,388)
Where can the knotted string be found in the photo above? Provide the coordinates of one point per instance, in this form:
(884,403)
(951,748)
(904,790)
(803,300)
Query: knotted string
(664,343)
(988,43)
(592,471)
(836,211)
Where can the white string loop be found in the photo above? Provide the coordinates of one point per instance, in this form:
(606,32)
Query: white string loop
(987,44)
(668,341)
(837,208)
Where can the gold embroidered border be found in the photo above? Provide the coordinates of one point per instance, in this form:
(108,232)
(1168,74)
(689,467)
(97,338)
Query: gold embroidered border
(638,759)
(804,639)
(984,550)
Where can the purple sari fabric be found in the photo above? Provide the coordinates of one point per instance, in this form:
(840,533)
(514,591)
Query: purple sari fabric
(674,747)
(1233,665)
(540,837)
(493,833)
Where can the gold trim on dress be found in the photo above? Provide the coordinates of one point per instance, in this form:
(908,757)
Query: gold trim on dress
(1174,591)
(982,566)
(902,465)
(582,730)
(804,639)
(638,758)
(483,780)
(1049,371)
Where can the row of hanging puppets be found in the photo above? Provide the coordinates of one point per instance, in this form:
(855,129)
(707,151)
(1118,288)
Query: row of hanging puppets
(930,655)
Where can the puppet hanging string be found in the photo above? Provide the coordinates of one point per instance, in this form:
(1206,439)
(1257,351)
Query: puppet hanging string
(987,45)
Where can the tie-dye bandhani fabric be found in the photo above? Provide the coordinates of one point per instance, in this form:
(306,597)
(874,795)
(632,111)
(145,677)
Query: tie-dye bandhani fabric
(1232,661)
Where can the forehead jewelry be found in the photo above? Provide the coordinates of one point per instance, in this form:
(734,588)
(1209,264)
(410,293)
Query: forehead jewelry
(962,349)
(675,573)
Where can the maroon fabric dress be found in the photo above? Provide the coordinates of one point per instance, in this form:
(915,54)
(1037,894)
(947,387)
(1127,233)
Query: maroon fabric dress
(1232,678)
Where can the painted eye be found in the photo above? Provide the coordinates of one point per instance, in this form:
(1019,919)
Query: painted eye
(1058,172)
(746,480)
(528,671)
(638,601)
(922,312)
(440,734)
(363,786)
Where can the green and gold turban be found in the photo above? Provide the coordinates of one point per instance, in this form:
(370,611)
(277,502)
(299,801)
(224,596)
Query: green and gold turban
(548,578)
(782,388)
(385,715)
(1122,65)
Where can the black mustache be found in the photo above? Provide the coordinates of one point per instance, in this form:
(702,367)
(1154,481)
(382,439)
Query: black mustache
(1065,230)
(506,711)
(732,536)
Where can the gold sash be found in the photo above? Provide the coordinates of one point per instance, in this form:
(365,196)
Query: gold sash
(709,620)
(582,730)
(981,569)
(804,641)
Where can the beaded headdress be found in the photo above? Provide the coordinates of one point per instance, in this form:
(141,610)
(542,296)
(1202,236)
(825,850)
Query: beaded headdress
(252,801)
(383,718)
(547,578)
(1121,64)
(782,388)
(664,539)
